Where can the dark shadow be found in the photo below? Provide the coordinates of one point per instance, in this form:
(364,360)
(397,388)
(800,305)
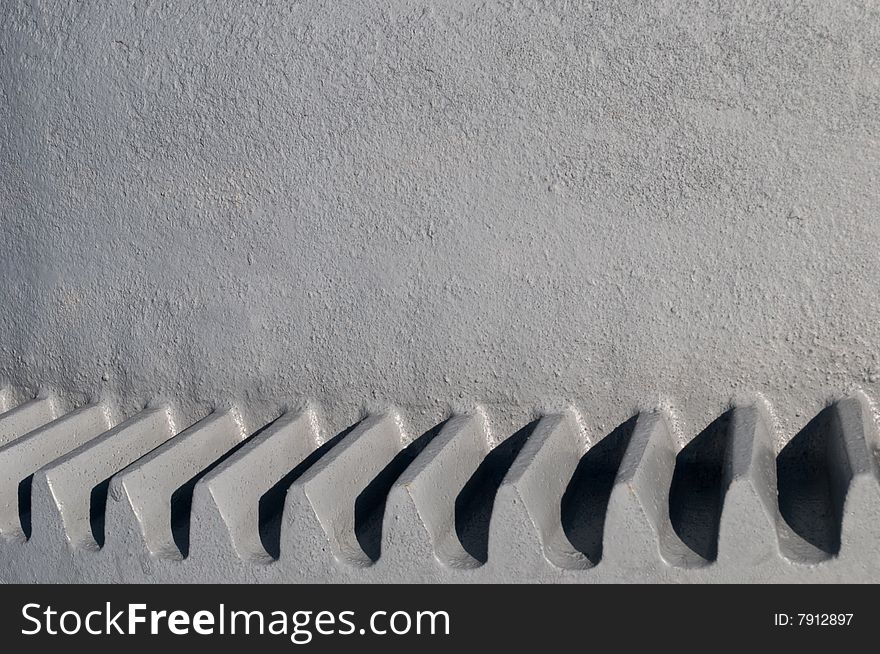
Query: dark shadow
(98,510)
(181,500)
(585,500)
(24,504)
(697,492)
(473,506)
(369,507)
(812,480)
(271,505)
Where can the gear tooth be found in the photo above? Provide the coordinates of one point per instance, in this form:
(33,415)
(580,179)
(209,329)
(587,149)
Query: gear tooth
(237,506)
(154,494)
(27,417)
(333,490)
(815,471)
(68,498)
(432,484)
(529,503)
(855,456)
(747,531)
(638,526)
(23,456)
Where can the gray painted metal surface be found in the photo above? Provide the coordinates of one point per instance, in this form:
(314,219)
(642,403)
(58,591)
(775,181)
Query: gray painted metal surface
(85,497)
(501,268)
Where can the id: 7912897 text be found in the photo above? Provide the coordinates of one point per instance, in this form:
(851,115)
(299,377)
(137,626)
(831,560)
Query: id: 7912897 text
(812,619)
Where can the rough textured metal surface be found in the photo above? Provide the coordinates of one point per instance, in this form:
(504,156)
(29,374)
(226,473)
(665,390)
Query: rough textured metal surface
(90,496)
(405,214)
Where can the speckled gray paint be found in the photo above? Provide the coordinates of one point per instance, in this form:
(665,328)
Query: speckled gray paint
(431,204)
(437,205)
